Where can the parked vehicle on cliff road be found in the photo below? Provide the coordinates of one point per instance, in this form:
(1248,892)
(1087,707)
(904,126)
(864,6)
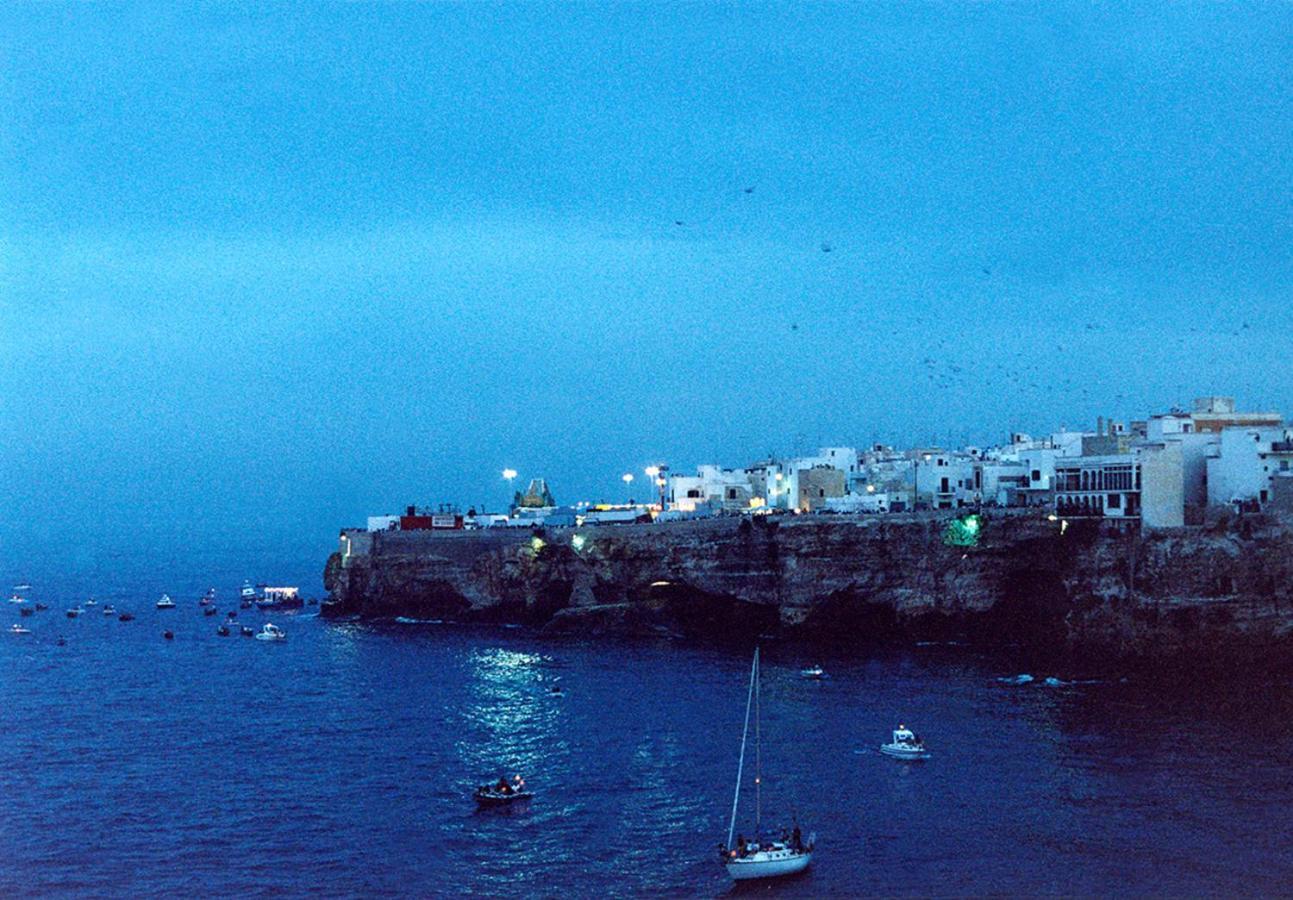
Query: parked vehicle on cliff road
(271,632)
(744,859)
(906,744)
(166,602)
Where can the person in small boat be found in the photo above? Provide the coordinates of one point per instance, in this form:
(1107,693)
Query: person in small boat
(503,787)
(740,846)
(796,839)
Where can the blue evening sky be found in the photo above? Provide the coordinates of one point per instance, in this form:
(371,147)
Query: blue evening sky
(278,267)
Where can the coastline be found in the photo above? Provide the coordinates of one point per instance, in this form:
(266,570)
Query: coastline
(1217,592)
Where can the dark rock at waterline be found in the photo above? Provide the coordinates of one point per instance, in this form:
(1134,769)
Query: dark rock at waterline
(1091,586)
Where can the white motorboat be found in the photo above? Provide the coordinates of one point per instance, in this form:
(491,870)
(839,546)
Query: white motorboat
(17,598)
(816,672)
(757,858)
(906,744)
(91,602)
(248,593)
(15,628)
(74,612)
(166,602)
(271,632)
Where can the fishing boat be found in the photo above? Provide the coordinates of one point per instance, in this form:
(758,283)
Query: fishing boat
(17,598)
(41,607)
(271,632)
(502,793)
(906,744)
(166,602)
(109,610)
(247,631)
(126,617)
(223,631)
(26,611)
(15,628)
(91,602)
(748,859)
(247,595)
(74,612)
(209,611)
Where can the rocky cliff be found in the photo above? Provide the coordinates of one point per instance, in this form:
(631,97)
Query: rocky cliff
(1021,579)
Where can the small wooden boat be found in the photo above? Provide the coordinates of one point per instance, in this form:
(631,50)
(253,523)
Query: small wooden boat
(488,795)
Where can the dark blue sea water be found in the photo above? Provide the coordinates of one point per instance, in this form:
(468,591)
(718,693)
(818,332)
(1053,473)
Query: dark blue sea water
(340,763)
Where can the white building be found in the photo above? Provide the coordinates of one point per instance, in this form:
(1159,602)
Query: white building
(1105,487)
(711,486)
(1247,464)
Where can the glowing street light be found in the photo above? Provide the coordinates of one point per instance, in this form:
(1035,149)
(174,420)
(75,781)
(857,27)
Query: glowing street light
(509,475)
(652,471)
(627,478)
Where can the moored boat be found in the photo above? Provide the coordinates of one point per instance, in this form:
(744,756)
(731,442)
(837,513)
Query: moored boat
(814,672)
(280,598)
(271,632)
(166,602)
(15,628)
(906,744)
(502,792)
(744,859)
(74,612)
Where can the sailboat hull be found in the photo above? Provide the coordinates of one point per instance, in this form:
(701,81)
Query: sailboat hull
(772,864)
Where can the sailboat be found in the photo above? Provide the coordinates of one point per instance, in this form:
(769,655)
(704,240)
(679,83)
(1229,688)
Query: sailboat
(757,858)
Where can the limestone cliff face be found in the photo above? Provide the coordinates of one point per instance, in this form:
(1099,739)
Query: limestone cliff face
(849,579)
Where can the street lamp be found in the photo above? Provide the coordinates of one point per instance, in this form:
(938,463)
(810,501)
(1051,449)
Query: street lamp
(509,475)
(657,475)
(627,478)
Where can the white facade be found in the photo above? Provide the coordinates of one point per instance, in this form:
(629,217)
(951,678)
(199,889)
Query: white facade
(383,523)
(946,481)
(1247,464)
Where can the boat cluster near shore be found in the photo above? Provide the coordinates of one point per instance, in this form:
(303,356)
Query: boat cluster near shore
(268,599)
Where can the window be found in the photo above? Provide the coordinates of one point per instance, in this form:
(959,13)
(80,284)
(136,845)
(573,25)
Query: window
(1284,465)
(1037,474)
(1265,494)
(693,494)
(1115,501)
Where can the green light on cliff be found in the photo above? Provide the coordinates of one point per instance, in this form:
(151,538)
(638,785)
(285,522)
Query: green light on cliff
(963,531)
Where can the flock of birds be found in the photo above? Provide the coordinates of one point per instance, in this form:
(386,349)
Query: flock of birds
(1084,366)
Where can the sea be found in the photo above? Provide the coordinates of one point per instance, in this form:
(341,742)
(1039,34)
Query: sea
(341,762)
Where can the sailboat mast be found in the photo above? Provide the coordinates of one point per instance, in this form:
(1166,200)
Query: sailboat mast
(758,749)
(740,766)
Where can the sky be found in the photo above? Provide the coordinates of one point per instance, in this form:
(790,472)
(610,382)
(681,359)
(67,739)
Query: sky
(270,269)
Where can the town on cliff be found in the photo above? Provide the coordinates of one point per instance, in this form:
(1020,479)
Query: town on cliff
(1164,471)
(1169,536)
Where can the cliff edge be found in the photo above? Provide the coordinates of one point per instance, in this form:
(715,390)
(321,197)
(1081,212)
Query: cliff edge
(1019,578)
